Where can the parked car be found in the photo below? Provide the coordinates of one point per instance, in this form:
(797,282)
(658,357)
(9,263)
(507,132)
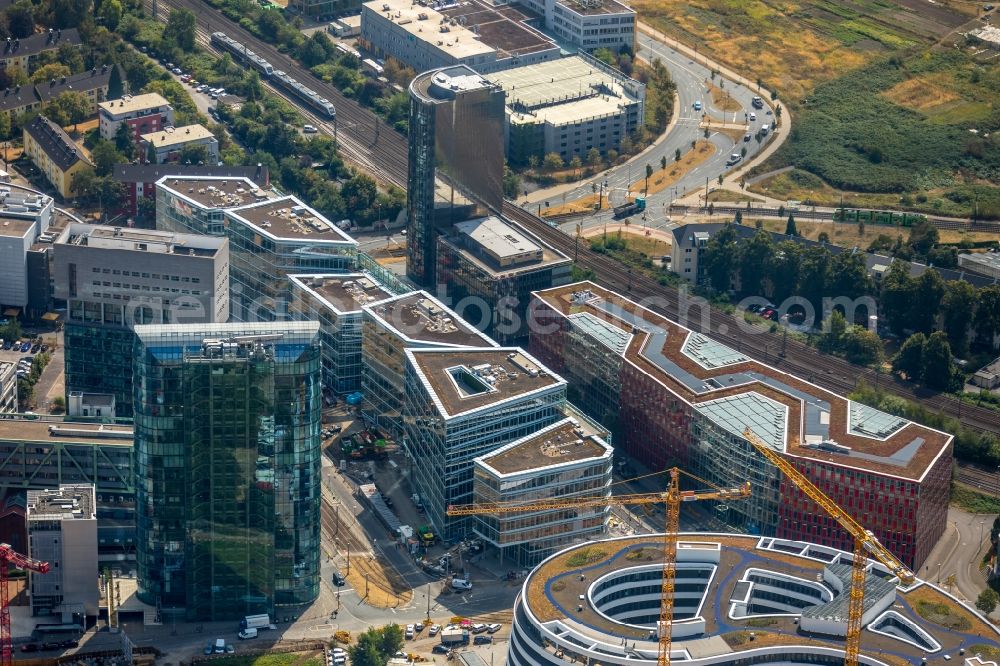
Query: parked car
(409,632)
(418,627)
(29,647)
(229,648)
(177,70)
(482,640)
(478,628)
(36,348)
(69,644)
(433,631)
(309,129)
(45,348)
(26,347)
(440,649)
(493,627)
(338,579)
(51,645)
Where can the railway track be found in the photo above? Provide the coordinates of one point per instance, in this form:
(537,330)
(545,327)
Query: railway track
(385,154)
(981,478)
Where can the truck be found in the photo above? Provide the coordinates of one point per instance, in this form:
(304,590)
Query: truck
(454,636)
(630,208)
(256,622)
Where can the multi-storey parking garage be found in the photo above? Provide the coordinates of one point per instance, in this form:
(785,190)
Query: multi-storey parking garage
(739,600)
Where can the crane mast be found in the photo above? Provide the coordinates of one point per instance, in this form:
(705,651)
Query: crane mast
(673,496)
(865,544)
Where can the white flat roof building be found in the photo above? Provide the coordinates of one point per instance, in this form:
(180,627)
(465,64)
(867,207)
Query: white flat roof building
(23,218)
(504,244)
(568,106)
(167,143)
(483,36)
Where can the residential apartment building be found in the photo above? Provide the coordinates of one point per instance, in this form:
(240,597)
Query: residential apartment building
(273,239)
(44,455)
(984,263)
(411,321)
(460,404)
(565,460)
(93,84)
(477,34)
(490,268)
(141,180)
(568,107)
(144,114)
(113,278)
(166,145)
(228,445)
(62,530)
(466,154)
(23,53)
(195,204)
(55,154)
(24,218)
(8,387)
(673,396)
(335,301)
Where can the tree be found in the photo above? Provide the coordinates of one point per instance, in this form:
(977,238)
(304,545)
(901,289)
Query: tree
(193,154)
(754,256)
(790,229)
(146,209)
(987,600)
(897,295)
(75,107)
(125,140)
(957,309)
(663,163)
(511,183)
(552,162)
(833,337)
(105,156)
(909,360)
(814,275)
(58,404)
(861,346)
(649,172)
(180,28)
(576,164)
(21,19)
(47,73)
(376,646)
(987,318)
(594,157)
(782,270)
(721,258)
(939,368)
(928,290)
(5,126)
(849,275)
(110,14)
(923,236)
(677,155)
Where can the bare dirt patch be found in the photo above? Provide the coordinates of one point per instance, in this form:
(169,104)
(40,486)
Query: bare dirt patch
(920,94)
(722,100)
(664,178)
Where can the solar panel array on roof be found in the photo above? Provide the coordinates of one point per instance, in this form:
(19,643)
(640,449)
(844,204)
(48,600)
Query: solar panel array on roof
(735,413)
(608,335)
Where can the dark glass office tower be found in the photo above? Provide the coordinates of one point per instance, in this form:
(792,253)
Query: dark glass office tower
(457,134)
(227,446)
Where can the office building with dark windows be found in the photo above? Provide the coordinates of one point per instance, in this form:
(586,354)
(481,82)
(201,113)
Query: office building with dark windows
(415,320)
(460,404)
(113,278)
(673,396)
(456,153)
(273,239)
(227,439)
(490,267)
(335,301)
(195,203)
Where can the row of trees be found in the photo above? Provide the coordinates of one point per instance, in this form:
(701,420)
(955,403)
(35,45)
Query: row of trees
(760,266)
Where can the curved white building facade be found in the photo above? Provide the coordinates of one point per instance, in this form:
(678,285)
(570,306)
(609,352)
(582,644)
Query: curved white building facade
(740,601)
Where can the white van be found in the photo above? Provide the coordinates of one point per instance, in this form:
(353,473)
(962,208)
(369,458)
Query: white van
(247,633)
(461,584)
(220,646)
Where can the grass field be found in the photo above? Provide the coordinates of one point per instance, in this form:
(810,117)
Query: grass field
(849,235)
(664,178)
(282,659)
(884,92)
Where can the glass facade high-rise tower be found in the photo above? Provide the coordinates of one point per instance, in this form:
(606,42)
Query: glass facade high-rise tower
(457,133)
(227,446)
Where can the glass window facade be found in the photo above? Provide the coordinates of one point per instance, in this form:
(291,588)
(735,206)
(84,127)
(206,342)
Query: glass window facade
(260,266)
(228,448)
(443,449)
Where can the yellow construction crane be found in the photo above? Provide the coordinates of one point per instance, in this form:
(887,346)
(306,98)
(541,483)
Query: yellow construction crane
(865,543)
(672,497)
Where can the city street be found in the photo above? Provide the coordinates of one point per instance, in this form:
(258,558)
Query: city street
(691,77)
(958,554)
